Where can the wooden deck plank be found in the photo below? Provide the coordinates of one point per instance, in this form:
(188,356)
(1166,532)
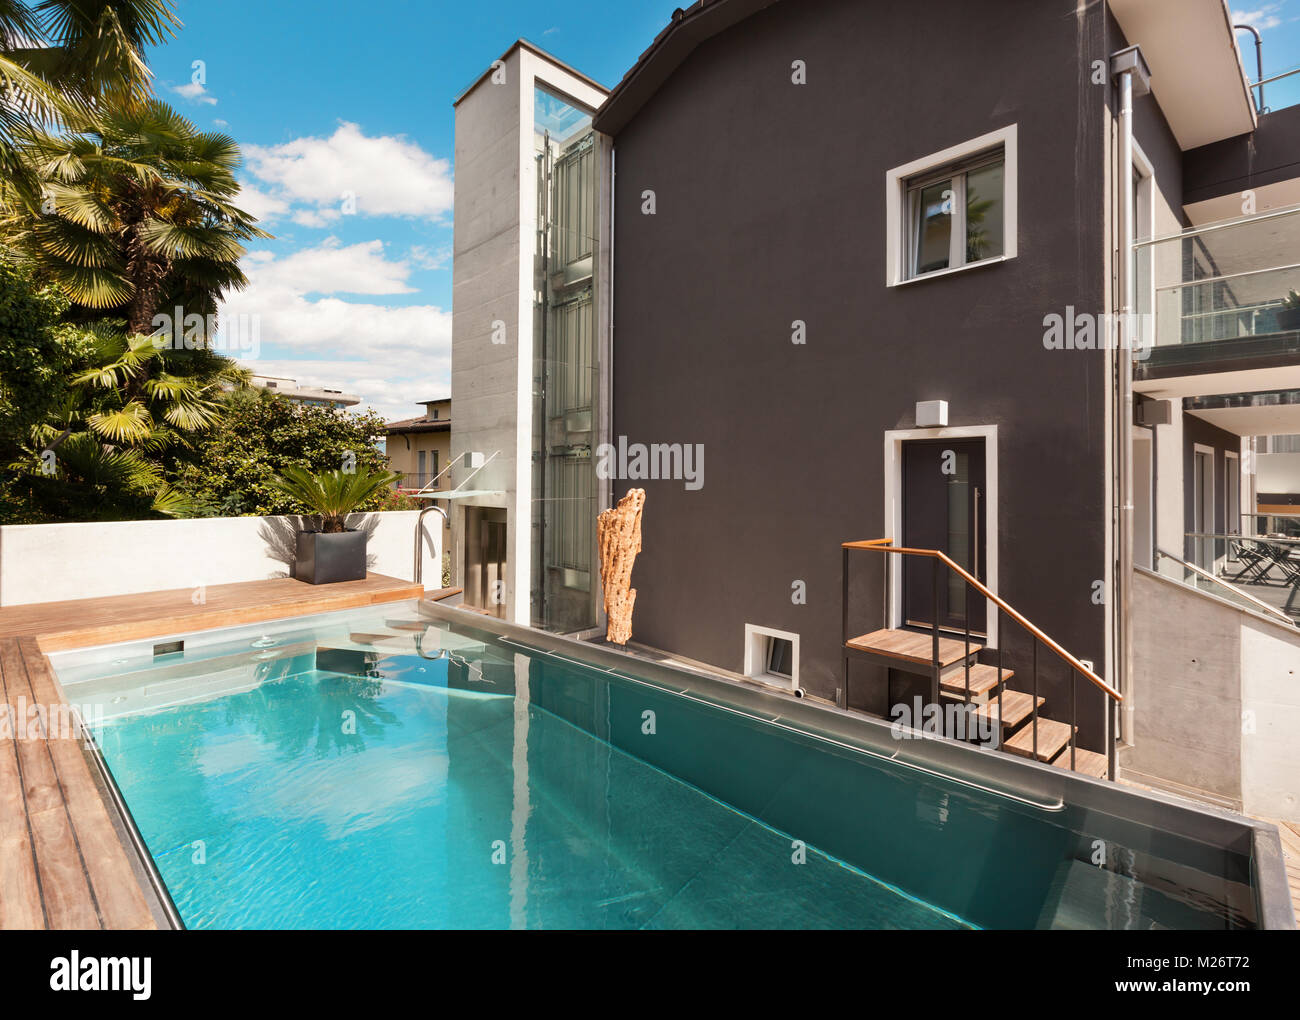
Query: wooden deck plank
(64,888)
(40,784)
(20,891)
(1052,736)
(121,903)
(1086,763)
(65,891)
(911,646)
(79,623)
(1016,707)
(983,679)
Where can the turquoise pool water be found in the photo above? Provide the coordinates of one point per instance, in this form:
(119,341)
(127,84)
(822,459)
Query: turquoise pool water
(386,773)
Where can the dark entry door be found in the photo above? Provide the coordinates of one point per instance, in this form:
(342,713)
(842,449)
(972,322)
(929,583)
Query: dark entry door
(944,508)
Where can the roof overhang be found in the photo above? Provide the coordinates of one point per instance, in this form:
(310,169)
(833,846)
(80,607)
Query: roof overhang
(1196,71)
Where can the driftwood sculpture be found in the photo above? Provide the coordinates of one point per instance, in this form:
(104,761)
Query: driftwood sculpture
(618,537)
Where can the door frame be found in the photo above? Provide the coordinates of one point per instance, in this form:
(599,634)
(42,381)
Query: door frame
(894,440)
(1206,500)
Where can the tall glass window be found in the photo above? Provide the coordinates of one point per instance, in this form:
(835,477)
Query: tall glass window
(566,579)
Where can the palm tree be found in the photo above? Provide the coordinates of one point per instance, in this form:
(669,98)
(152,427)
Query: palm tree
(60,58)
(142,215)
(332,495)
(104,450)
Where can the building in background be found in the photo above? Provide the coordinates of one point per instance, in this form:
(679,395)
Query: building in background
(420,450)
(308,396)
(529,313)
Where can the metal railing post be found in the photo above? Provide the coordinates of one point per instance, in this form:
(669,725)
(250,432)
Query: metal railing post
(844,623)
(934,580)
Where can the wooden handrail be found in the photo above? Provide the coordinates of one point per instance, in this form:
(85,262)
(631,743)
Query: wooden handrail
(884,545)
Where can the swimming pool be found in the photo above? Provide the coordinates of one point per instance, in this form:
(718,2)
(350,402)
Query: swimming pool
(408,766)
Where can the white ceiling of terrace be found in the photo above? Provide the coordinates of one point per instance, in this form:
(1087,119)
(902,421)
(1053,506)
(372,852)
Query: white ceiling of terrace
(1278,420)
(1196,72)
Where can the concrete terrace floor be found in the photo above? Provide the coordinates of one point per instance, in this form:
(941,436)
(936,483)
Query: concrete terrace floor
(65,859)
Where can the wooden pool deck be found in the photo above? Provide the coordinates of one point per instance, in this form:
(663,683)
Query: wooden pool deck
(64,862)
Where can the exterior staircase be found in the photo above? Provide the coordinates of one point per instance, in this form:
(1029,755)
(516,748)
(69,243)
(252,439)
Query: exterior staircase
(1025,731)
(1012,720)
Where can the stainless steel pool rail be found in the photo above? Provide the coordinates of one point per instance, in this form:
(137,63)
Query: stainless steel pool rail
(145,859)
(418,569)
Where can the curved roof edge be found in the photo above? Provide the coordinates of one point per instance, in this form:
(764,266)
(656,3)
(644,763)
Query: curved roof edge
(688,28)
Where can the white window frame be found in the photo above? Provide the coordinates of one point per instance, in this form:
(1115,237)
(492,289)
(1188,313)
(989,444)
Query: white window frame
(1231,473)
(898,206)
(756,645)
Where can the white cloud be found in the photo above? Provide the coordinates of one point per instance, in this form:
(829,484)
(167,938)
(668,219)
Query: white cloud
(315,217)
(388,355)
(386,175)
(195,93)
(331,268)
(424,257)
(1262,18)
(260,204)
(220,123)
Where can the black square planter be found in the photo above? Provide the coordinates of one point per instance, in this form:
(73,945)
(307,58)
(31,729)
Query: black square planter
(324,559)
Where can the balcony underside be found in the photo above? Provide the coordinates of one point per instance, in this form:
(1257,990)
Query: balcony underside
(1269,361)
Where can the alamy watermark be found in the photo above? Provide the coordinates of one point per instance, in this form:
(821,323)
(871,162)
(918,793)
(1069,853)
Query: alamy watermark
(228,334)
(25,720)
(1101,331)
(682,462)
(956,720)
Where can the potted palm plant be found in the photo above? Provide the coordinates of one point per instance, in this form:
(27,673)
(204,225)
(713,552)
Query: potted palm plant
(1288,316)
(332,552)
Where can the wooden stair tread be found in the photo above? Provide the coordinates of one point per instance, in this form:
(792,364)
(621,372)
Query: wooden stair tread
(1016,707)
(1052,736)
(1088,763)
(982,680)
(912,646)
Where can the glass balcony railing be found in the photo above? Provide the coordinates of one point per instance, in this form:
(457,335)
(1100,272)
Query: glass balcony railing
(1234,285)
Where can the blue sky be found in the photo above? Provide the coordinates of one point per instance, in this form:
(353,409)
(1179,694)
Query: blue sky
(327,97)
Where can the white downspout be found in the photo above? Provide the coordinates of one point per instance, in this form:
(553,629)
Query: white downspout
(1130,72)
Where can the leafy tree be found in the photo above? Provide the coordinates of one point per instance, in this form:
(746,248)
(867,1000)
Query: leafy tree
(84,435)
(36,357)
(138,215)
(261,435)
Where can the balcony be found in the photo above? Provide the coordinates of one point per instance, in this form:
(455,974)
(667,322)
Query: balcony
(1219,307)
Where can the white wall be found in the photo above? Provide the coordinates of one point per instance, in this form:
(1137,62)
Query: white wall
(1278,472)
(51,562)
(1218,700)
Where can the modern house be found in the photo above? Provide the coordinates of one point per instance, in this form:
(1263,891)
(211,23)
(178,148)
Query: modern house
(1022,313)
